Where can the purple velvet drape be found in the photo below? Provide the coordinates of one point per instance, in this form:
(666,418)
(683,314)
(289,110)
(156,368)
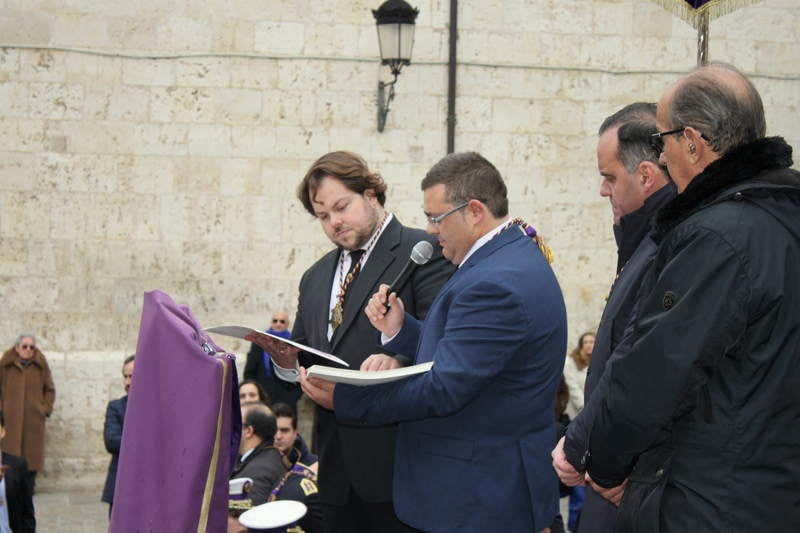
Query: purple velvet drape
(182,427)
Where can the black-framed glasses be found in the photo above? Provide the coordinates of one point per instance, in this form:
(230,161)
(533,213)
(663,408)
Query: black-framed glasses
(438,218)
(27,346)
(657,139)
(278,321)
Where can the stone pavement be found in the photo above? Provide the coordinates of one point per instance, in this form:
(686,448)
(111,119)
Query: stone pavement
(70,511)
(83,512)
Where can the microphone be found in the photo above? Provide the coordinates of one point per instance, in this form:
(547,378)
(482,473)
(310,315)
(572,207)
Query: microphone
(420,254)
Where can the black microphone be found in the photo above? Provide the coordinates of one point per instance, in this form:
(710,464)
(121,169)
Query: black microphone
(420,254)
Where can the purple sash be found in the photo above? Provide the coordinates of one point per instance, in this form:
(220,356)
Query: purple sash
(182,427)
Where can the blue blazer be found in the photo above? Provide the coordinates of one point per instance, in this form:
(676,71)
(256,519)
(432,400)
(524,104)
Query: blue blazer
(475,433)
(112,435)
(360,458)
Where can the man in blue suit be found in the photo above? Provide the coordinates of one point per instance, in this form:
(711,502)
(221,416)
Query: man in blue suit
(112,431)
(475,432)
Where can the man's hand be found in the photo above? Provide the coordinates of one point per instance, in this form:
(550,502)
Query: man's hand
(566,472)
(284,355)
(319,390)
(386,320)
(379,361)
(614,494)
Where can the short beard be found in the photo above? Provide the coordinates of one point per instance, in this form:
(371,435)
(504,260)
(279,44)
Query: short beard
(363,238)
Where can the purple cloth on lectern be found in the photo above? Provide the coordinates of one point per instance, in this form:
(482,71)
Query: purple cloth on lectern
(182,427)
(697,3)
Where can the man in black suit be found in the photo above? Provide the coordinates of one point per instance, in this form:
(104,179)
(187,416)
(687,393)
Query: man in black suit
(372,247)
(112,431)
(16,492)
(260,459)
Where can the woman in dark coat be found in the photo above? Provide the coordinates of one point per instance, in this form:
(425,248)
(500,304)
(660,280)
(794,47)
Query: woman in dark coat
(27,394)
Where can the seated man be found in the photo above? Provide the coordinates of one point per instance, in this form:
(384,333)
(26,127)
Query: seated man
(289,441)
(300,482)
(260,460)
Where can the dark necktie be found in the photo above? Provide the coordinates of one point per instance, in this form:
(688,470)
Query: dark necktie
(337,313)
(353,271)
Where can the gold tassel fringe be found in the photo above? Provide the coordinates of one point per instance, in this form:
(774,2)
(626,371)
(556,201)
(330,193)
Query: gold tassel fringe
(715,9)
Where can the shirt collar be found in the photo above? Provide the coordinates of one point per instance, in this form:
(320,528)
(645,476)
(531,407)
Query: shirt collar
(486,237)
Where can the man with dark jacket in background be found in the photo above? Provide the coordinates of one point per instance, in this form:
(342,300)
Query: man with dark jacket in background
(112,431)
(637,186)
(260,459)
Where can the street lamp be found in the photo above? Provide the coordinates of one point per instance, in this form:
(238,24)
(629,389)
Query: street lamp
(395,21)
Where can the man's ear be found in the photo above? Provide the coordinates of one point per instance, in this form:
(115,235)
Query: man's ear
(646,175)
(696,145)
(477,210)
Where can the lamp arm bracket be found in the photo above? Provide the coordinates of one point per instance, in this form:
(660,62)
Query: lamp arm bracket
(385,100)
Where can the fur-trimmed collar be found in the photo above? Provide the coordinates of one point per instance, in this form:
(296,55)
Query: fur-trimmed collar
(10,357)
(741,166)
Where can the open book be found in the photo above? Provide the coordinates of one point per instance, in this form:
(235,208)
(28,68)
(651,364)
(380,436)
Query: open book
(240,332)
(360,377)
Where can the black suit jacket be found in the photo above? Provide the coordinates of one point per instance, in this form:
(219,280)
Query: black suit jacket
(351,455)
(112,436)
(264,467)
(19,495)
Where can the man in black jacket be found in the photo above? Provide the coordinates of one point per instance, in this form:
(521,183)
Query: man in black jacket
(260,459)
(356,463)
(16,492)
(701,415)
(112,431)
(637,186)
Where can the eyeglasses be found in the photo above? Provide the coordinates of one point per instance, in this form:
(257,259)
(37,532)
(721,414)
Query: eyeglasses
(438,218)
(27,346)
(278,321)
(657,139)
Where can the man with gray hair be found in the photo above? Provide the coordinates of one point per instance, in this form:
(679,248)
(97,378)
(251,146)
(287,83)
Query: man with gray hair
(699,427)
(637,186)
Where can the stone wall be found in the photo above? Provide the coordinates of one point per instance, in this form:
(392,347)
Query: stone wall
(157,145)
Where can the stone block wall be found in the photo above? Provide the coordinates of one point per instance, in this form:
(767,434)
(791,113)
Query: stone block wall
(157,145)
